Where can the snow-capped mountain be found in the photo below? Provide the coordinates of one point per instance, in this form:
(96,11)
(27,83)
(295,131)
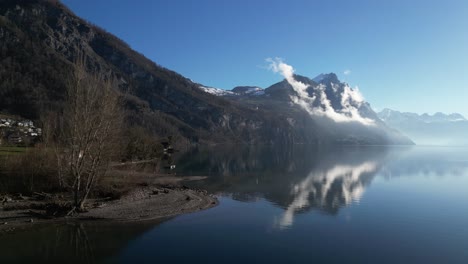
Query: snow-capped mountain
(335,100)
(331,105)
(393,116)
(324,96)
(426,129)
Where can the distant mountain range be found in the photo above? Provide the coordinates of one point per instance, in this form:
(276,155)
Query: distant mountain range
(39,40)
(396,116)
(425,129)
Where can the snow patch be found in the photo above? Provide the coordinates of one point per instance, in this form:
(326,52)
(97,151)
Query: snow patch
(216,91)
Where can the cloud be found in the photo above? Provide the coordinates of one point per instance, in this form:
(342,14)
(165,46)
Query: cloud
(347,72)
(349,97)
(278,66)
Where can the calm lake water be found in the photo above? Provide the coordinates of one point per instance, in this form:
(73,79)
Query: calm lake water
(294,205)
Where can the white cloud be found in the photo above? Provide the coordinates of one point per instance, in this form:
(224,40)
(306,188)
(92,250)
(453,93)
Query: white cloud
(347,72)
(350,97)
(278,66)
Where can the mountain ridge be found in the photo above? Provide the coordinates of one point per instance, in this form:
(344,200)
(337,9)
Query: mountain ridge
(165,102)
(39,40)
(336,97)
(426,129)
(387,114)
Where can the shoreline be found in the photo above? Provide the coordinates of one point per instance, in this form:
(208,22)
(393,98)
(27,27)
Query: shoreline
(140,204)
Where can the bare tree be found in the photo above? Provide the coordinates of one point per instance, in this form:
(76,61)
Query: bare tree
(2,134)
(87,133)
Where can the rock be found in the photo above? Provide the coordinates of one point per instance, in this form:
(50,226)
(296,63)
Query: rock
(155,192)
(31,220)
(188,198)
(23,197)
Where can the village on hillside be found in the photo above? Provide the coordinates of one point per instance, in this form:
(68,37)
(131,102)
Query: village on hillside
(18,132)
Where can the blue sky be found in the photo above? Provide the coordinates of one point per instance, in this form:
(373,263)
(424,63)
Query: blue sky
(402,54)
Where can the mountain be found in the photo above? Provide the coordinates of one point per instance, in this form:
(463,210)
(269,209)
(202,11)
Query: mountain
(39,40)
(425,129)
(393,116)
(327,107)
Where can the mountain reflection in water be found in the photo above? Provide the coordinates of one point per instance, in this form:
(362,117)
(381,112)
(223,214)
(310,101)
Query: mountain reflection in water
(303,178)
(329,189)
(297,179)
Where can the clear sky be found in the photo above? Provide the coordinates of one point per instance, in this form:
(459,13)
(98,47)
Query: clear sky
(409,55)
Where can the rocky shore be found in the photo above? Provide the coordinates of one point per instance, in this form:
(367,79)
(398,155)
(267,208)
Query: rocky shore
(140,204)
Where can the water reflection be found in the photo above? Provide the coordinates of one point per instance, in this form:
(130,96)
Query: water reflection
(70,243)
(427,161)
(330,189)
(304,178)
(297,179)
(410,202)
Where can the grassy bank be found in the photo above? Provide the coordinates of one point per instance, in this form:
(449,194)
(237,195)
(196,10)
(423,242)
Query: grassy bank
(6,151)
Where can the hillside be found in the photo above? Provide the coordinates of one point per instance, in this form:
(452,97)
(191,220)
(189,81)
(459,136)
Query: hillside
(40,39)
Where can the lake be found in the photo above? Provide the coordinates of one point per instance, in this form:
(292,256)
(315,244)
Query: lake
(293,205)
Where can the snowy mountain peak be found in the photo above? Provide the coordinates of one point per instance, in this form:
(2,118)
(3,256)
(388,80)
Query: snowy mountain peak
(324,97)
